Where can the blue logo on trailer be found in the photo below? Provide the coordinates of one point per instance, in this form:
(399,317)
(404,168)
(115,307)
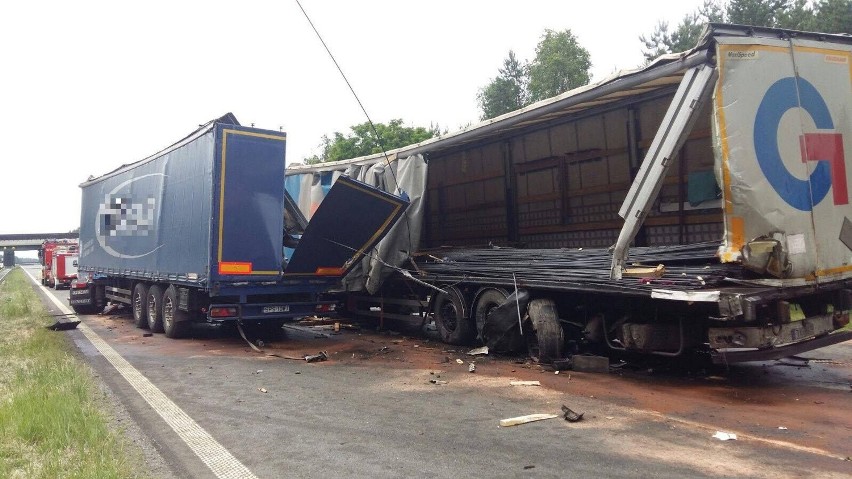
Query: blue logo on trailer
(825,149)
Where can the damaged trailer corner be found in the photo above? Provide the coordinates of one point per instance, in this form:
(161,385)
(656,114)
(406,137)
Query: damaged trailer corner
(696,204)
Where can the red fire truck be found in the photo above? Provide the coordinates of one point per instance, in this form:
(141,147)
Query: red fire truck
(58,273)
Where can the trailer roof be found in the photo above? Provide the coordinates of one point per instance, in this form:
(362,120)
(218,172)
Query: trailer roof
(665,71)
(226,119)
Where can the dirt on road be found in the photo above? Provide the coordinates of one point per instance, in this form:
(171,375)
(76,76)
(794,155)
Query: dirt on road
(803,404)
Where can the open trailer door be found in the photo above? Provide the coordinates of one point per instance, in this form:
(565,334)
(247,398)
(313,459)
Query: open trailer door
(351,219)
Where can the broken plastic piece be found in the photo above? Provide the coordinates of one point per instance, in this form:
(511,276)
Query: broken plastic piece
(570,415)
(525,383)
(321,356)
(478,351)
(63,326)
(725,436)
(471,368)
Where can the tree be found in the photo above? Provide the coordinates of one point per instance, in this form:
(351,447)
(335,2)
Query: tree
(560,64)
(828,16)
(833,16)
(507,92)
(685,36)
(362,141)
(761,13)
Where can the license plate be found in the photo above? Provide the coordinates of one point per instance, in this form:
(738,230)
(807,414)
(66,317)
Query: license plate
(276,309)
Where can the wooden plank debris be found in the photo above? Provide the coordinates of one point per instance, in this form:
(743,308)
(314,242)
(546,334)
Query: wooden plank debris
(514,421)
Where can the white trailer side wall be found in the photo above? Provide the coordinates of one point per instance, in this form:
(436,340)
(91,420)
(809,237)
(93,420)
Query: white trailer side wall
(783,116)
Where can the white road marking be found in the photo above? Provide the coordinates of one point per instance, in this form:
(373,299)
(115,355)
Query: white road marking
(223,464)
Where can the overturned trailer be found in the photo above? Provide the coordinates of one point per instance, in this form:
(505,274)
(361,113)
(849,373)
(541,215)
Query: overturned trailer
(699,203)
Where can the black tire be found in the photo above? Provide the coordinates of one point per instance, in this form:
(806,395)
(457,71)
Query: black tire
(452,318)
(175,322)
(486,301)
(139,305)
(155,308)
(546,340)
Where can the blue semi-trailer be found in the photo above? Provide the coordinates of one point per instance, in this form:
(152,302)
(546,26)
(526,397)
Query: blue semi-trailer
(197,232)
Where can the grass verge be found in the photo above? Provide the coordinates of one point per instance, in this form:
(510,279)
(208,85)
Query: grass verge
(52,422)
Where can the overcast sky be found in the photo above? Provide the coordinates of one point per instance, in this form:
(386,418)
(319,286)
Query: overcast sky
(87,86)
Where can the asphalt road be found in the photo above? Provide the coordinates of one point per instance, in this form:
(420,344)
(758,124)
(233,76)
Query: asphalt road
(371,411)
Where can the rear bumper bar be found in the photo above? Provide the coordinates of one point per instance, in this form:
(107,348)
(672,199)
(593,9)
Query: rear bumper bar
(741,356)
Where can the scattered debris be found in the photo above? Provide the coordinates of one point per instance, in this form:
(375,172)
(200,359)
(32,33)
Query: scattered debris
(321,356)
(529,467)
(483,351)
(147,335)
(561,364)
(782,428)
(525,383)
(437,381)
(307,329)
(645,272)
(263,390)
(459,361)
(514,421)
(471,368)
(610,417)
(570,415)
(725,436)
(110,308)
(590,364)
(63,326)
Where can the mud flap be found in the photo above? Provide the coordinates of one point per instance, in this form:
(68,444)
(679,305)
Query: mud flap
(501,331)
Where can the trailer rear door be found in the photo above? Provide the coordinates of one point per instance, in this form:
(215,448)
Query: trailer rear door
(783,109)
(351,219)
(248,242)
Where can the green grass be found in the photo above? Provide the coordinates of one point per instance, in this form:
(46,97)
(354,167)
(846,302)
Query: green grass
(52,415)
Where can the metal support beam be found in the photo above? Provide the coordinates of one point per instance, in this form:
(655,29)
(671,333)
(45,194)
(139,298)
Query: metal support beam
(693,91)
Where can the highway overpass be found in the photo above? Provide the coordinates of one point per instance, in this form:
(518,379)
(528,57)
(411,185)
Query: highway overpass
(9,243)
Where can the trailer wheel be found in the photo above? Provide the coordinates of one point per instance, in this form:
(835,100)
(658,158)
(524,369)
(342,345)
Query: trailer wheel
(546,340)
(175,322)
(155,308)
(451,317)
(140,305)
(487,300)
